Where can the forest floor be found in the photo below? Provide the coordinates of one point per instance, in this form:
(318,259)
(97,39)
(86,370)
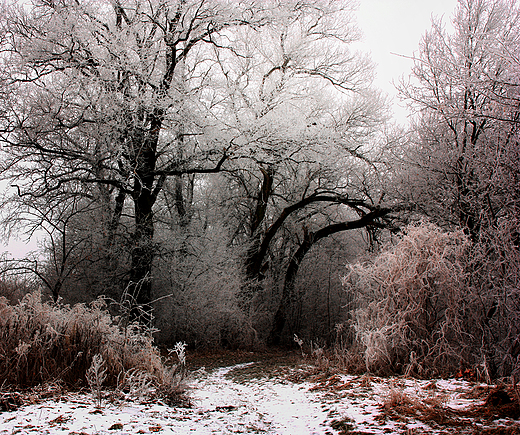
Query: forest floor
(275,394)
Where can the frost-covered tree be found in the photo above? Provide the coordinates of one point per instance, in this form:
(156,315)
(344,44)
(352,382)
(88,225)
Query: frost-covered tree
(130,105)
(464,88)
(465,159)
(304,103)
(105,100)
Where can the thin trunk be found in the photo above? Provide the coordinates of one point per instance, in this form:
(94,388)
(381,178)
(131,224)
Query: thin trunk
(116,217)
(288,296)
(255,260)
(183,198)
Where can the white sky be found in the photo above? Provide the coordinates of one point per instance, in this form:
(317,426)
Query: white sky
(396,26)
(389,26)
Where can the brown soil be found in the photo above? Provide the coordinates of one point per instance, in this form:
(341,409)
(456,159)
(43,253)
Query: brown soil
(212,359)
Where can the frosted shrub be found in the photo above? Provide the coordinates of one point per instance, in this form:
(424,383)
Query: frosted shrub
(493,316)
(173,380)
(299,342)
(409,300)
(137,383)
(180,350)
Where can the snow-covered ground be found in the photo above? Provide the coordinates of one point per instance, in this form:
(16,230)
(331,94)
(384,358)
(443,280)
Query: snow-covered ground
(239,399)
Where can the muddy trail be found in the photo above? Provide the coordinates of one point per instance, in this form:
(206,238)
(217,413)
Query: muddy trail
(280,393)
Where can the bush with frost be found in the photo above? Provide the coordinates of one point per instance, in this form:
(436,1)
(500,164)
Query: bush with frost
(410,301)
(493,314)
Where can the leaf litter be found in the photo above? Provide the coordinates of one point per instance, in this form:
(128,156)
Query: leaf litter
(276,398)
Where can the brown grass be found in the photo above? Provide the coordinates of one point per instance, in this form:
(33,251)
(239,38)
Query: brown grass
(42,343)
(399,405)
(499,403)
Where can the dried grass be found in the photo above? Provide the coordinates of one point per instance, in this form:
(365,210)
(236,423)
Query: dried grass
(397,404)
(435,304)
(42,342)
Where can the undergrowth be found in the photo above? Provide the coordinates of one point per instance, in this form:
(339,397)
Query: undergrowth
(80,346)
(432,304)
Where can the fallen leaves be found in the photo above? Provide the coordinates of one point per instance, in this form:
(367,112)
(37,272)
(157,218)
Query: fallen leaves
(59,420)
(240,399)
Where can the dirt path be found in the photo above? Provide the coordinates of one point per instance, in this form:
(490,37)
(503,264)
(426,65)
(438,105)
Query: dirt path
(243,398)
(253,402)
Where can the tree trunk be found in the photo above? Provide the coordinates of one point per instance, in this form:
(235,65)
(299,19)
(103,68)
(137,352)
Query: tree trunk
(143,250)
(254,258)
(142,256)
(287,301)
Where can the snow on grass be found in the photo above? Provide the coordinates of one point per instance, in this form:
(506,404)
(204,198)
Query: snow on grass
(248,398)
(220,406)
(266,405)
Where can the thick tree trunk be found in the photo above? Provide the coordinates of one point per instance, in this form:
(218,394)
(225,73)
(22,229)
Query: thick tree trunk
(144,197)
(254,260)
(142,256)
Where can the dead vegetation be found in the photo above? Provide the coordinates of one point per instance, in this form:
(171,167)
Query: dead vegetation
(83,346)
(428,408)
(429,305)
(467,407)
(499,408)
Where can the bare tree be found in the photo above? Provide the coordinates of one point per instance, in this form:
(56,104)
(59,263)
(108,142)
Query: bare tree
(303,102)
(372,217)
(464,86)
(306,121)
(63,248)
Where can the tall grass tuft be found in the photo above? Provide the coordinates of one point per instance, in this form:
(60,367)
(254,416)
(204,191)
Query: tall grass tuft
(42,342)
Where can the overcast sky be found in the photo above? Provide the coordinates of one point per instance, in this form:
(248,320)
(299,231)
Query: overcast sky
(389,26)
(396,26)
